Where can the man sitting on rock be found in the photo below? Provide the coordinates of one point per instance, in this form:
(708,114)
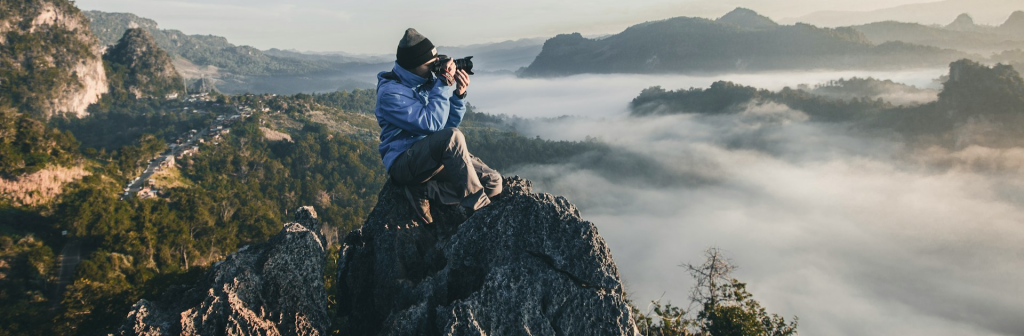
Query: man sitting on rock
(421,146)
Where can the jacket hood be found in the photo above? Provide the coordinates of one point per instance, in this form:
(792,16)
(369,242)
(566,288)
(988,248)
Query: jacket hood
(406,77)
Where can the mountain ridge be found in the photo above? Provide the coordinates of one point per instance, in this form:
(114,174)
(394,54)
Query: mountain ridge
(698,45)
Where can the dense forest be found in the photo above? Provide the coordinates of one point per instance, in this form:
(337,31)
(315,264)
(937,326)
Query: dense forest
(729,97)
(27,145)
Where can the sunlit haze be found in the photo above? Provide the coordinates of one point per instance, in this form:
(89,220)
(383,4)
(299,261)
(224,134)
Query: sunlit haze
(375,27)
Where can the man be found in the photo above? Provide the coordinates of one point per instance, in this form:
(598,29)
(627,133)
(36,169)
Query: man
(420,144)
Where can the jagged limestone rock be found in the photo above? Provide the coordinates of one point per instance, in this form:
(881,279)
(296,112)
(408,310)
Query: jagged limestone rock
(49,61)
(525,265)
(272,288)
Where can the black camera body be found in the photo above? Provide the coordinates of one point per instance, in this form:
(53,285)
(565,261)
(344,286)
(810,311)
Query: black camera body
(460,64)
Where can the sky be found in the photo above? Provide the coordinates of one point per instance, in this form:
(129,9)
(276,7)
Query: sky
(374,27)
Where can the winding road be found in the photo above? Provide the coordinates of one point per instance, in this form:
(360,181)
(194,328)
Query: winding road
(69,258)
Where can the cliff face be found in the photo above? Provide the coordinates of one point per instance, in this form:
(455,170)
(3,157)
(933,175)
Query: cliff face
(273,288)
(49,60)
(525,265)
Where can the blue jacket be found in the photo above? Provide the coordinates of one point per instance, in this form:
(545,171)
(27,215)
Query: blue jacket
(411,107)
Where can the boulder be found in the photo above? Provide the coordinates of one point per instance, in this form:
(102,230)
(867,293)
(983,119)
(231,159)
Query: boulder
(272,288)
(527,264)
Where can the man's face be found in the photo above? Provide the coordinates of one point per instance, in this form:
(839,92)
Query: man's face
(424,69)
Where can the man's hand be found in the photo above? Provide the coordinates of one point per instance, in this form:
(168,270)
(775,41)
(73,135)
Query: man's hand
(463,79)
(449,72)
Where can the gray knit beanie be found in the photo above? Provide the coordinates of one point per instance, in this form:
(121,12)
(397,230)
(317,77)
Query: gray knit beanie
(414,49)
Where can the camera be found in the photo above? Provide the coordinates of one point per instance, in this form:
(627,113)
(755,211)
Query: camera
(460,64)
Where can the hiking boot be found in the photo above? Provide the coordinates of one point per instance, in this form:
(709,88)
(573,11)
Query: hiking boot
(417,195)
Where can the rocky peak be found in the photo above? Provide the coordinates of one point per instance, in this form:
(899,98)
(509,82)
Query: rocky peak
(141,68)
(963,22)
(1014,24)
(526,264)
(746,18)
(272,288)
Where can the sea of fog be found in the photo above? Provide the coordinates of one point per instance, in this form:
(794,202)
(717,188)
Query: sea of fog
(857,235)
(601,96)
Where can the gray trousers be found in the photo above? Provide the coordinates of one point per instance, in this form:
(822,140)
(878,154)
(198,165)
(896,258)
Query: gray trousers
(451,175)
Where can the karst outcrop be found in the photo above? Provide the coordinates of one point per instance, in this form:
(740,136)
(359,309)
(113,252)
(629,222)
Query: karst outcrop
(140,69)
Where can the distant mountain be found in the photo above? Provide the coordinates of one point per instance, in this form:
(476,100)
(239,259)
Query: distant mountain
(139,68)
(236,69)
(983,41)
(48,63)
(686,44)
(201,50)
(929,13)
(506,56)
(745,18)
(501,56)
(961,34)
(963,22)
(315,57)
(1014,24)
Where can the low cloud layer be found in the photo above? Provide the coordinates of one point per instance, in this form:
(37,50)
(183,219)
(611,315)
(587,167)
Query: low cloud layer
(602,96)
(857,235)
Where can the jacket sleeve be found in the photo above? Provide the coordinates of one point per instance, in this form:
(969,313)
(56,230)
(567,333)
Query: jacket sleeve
(401,107)
(458,110)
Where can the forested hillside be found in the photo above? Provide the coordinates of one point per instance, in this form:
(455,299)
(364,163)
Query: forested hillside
(139,68)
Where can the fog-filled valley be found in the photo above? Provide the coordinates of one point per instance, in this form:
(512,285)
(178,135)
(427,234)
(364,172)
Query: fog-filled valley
(855,232)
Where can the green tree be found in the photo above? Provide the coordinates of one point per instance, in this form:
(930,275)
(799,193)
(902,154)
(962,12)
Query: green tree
(726,307)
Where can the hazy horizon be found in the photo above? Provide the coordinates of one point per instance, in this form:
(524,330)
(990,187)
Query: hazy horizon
(376,27)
